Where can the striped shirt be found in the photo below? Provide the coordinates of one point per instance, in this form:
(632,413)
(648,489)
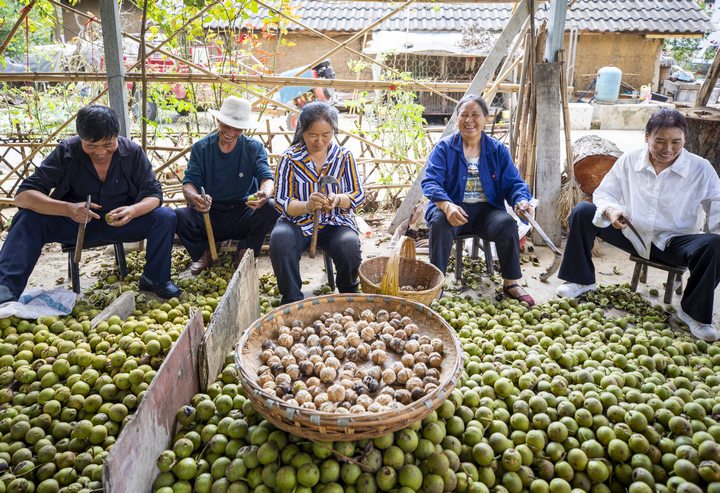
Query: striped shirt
(296,177)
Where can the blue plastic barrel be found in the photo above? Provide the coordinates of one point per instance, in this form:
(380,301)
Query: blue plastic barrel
(607,86)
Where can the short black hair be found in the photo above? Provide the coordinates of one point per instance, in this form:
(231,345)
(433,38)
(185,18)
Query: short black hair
(472,98)
(311,113)
(96,122)
(666,118)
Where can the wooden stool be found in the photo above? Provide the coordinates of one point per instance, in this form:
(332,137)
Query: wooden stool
(459,239)
(674,276)
(74,269)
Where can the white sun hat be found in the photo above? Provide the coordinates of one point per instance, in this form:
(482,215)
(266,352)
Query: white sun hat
(236,113)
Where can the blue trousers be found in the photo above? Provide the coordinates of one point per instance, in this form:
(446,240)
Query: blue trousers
(700,253)
(30,231)
(484,220)
(287,244)
(229,222)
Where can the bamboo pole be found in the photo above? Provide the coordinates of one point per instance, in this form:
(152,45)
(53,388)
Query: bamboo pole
(259,80)
(24,12)
(521,108)
(508,66)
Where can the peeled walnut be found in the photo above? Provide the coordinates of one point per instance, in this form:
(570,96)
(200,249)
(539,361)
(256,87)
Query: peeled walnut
(364,400)
(357,409)
(368,334)
(412,346)
(363,352)
(333,362)
(306,368)
(437,345)
(405,320)
(308,405)
(414,383)
(312,381)
(296,333)
(354,339)
(336,393)
(400,334)
(328,407)
(265,378)
(318,367)
(384,399)
(267,345)
(375,407)
(303,396)
(417,393)
(283,329)
(408,360)
(327,374)
(371,383)
(420,369)
(430,387)
(388,376)
(270,386)
(325,340)
(421,357)
(378,356)
(312,340)
(382,316)
(282,390)
(298,386)
(375,372)
(396,366)
(277,368)
(273,360)
(435,360)
(389,391)
(360,388)
(314,351)
(293,371)
(367,315)
(340,352)
(377,345)
(352,354)
(426,348)
(350,396)
(411,328)
(286,340)
(404,375)
(296,323)
(321,399)
(433,373)
(266,355)
(288,360)
(403,396)
(397,345)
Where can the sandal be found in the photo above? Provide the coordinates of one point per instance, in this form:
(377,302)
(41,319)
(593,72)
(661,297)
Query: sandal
(523,297)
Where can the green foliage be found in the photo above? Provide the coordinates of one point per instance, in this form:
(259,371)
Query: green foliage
(682,49)
(38,29)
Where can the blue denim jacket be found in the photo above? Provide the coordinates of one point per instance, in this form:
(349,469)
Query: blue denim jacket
(447,169)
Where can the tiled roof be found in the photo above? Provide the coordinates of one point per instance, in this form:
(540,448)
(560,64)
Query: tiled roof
(644,16)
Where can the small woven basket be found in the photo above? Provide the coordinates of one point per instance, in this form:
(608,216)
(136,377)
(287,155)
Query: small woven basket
(326,426)
(386,275)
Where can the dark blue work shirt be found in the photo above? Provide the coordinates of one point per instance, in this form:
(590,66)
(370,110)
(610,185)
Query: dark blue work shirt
(68,174)
(228,177)
(446,174)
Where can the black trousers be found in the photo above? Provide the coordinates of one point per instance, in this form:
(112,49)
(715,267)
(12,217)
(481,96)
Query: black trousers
(287,244)
(486,221)
(229,222)
(30,231)
(700,253)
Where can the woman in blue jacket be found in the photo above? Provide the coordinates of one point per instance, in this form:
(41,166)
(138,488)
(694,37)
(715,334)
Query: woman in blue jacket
(468,178)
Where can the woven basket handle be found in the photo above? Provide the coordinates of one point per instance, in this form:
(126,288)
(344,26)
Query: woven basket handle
(390,282)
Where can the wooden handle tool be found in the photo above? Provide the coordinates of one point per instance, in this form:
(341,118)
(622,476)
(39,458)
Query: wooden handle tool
(81,232)
(208,229)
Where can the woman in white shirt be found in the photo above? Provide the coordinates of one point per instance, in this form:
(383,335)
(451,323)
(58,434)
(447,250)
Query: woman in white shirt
(668,193)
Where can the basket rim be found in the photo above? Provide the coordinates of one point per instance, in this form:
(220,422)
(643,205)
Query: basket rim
(364,278)
(270,401)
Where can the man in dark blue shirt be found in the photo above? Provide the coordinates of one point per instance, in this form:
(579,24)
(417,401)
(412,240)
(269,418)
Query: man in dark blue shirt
(125,197)
(233,169)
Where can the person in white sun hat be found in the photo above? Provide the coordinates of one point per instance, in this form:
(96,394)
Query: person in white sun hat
(233,169)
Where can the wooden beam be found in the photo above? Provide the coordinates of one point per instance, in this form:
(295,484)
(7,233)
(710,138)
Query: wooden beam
(480,81)
(673,36)
(711,78)
(547,164)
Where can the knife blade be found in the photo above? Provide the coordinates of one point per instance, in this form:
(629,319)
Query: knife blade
(626,221)
(81,232)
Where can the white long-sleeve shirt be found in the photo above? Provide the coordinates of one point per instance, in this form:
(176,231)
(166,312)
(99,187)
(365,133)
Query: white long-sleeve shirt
(675,202)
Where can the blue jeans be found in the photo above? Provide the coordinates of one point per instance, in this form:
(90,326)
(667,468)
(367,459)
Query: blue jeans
(700,253)
(486,221)
(287,244)
(30,231)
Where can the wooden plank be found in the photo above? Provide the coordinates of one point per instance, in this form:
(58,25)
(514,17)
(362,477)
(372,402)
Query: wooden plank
(480,81)
(547,165)
(123,306)
(130,467)
(238,308)
(711,79)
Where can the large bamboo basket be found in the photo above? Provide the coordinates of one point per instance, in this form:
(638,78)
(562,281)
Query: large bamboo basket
(386,275)
(325,426)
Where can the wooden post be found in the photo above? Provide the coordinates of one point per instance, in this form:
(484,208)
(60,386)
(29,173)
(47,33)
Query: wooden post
(711,78)
(486,71)
(547,172)
(704,126)
(112,43)
(556,29)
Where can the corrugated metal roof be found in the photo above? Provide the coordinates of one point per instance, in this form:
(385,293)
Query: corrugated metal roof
(645,16)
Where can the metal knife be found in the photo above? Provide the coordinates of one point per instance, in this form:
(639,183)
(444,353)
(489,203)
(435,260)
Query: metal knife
(626,221)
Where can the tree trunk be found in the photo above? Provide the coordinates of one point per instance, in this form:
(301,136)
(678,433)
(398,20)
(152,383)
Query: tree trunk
(702,139)
(593,157)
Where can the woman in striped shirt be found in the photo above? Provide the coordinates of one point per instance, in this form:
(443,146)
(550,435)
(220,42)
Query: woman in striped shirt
(312,155)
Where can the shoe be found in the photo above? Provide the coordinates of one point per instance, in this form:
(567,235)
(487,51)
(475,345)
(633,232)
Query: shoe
(200,264)
(573,290)
(704,332)
(522,297)
(164,290)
